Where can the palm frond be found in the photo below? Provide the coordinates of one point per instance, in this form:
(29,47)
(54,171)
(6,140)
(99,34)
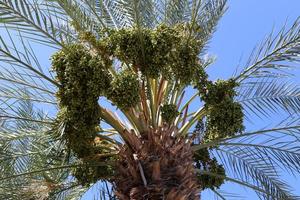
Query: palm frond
(135,12)
(95,11)
(259,160)
(249,166)
(25,61)
(21,112)
(27,17)
(218,195)
(209,17)
(268,96)
(15,92)
(33,165)
(275,55)
(222,195)
(25,147)
(69,190)
(101,190)
(176,11)
(113,13)
(74,13)
(288,127)
(283,154)
(266,194)
(148,11)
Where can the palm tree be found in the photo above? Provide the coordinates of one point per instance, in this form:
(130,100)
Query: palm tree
(142,139)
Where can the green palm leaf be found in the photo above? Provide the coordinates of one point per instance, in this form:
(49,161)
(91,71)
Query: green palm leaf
(26,17)
(274,55)
(269,96)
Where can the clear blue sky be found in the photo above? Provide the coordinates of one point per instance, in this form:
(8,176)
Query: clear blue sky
(245,24)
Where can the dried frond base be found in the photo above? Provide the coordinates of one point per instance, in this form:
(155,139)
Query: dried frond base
(160,166)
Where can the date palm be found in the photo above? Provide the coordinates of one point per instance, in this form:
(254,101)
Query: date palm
(142,139)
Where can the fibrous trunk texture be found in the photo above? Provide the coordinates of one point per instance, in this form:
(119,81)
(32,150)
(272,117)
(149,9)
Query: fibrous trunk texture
(157,166)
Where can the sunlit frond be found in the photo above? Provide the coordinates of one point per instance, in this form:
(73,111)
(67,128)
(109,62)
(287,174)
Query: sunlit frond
(278,192)
(222,195)
(27,17)
(23,58)
(265,97)
(74,13)
(24,146)
(261,160)
(249,166)
(176,11)
(209,16)
(274,56)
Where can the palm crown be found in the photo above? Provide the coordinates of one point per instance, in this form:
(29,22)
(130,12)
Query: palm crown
(143,57)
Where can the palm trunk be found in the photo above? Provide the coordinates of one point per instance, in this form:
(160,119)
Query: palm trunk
(157,166)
